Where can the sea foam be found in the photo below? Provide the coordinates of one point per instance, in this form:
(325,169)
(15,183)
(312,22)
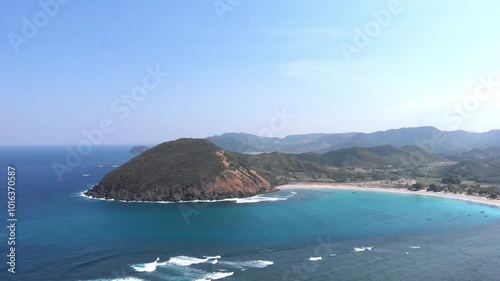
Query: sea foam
(258,198)
(120,279)
(215,276)
(187,261)
(362,249)
(147,267)
(247,200)
(248,264)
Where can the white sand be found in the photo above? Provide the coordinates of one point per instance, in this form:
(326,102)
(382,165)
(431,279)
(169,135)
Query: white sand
(374,187)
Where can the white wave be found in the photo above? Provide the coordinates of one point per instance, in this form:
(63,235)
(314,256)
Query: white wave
(258,198)
(293,192)
(315,258)
(250,264)
(362,249)
(86,175)
(267,250)
(215,276)
(211,258)
(254,199)
(414,247)
(119,279)
(187,261)
(147,267)
(108,166)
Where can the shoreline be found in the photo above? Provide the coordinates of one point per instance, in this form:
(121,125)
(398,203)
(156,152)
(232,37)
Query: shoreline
(370,187)
(378,188)
(237,200)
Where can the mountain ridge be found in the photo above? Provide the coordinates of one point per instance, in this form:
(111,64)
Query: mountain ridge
(430,138)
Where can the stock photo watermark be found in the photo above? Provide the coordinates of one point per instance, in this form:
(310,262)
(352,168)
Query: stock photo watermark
(278,123)
(32,25)
(222,7)
(302,271)
(486,89)
(12,218)
(121,108)
(363,36)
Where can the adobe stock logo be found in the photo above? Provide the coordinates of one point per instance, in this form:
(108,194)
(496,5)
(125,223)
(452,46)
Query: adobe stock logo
(31,26)
(277,124)
(121,108)
(372,29)
(222,7)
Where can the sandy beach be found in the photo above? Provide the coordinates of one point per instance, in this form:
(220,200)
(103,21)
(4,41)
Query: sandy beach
(378,188)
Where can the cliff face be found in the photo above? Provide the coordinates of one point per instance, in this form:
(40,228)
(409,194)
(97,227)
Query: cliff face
(186,169)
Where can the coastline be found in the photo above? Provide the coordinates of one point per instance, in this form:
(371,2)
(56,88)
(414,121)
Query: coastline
(378,188)
(234,199)
(373,187)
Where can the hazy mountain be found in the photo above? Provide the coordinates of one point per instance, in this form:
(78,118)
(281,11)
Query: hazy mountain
(429,138)
(476,154)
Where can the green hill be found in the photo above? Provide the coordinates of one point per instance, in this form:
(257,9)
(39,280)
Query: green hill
(487,171)
(277,167)
(185,169)
(379,157)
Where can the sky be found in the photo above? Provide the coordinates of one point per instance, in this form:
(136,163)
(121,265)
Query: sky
(123,72)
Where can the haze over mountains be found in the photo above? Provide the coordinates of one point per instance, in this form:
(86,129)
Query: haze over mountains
(428,138)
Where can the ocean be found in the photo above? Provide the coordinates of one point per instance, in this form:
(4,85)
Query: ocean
(287,235)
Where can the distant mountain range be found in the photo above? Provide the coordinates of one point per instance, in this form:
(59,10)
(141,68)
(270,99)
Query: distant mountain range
(429,138)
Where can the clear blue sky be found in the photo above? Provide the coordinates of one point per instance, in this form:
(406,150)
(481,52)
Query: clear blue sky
(231,70)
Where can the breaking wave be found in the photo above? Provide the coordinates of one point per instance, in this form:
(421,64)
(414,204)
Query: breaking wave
(248,264)
(187,261)
(215,276)
(258,198)
(362,249)
(147,267)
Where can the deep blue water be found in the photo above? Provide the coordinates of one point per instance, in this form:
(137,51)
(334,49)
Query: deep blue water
(64,236)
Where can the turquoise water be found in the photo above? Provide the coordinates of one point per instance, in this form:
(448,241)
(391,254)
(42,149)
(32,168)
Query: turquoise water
(280,236)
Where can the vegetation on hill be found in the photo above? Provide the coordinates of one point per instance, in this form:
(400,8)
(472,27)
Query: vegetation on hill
(379,157)
(345,165)
(476,154)
(190,169)
(281,168)
(186,169)
(481,171)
